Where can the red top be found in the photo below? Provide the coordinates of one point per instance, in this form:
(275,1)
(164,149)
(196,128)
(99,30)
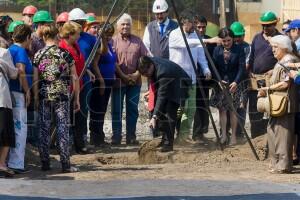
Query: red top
(76,54)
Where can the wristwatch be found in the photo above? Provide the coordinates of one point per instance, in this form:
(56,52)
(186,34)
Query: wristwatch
(154,117)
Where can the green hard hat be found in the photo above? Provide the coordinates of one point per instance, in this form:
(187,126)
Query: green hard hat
(268,18)
(42,16)
(237,29)
(91,20)
(13,25)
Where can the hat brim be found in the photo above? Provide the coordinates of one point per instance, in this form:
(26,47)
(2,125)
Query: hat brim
(159,11)
(268,22)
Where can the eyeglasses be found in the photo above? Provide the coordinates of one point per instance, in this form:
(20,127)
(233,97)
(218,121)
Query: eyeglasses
(95,27)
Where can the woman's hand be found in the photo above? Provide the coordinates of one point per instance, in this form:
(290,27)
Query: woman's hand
(232,87)
(291,65)
(102,86)
(91,75)
(262,93)
(76,105)
(293,74)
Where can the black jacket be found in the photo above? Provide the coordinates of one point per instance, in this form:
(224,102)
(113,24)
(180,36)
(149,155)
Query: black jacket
(171,83)
(235,69)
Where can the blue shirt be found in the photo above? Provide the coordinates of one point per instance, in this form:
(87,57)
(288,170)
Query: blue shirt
(107,64)
(20,55)
(86,43)
(297,42)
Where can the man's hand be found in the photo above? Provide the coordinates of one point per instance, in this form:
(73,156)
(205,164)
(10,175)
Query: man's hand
(27,98)
(36,102)
(152,123)
(208,76)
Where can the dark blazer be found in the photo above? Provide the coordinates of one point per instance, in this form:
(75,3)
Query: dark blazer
(171,83)
(235,69)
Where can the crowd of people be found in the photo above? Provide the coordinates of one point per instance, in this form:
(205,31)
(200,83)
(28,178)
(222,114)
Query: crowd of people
(47,92)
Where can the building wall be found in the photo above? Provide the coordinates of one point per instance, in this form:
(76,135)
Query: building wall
(249,14)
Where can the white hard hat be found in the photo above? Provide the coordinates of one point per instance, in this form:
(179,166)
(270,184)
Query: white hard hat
(160,6)
(77,14)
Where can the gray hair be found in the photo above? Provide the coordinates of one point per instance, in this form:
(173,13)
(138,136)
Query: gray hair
(124,17)
(283,42)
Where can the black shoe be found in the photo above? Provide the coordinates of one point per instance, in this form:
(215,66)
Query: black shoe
(101,144)
(296,162)
(67,168)
(46,166)
(20,171)
(166,148)
(115,143)
(83,151)
(132,142)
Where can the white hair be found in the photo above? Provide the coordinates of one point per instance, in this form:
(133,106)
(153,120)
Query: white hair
(283,42)
(125,17)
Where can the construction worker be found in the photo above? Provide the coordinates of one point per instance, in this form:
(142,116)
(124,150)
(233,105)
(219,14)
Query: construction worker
(40,19)
(86,43)
(261,61)
(61,19)
(92,26)
(28,13)
(239,36)
(156,36)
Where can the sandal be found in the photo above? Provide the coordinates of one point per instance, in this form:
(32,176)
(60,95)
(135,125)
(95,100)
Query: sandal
(6,173)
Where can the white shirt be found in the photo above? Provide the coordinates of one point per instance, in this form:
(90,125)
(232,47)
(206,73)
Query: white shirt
(146,38)
(10,72)
(179,54)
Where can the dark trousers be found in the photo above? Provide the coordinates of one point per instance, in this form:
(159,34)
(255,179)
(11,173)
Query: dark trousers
(258,124)
(79,128)
(168,118)
(98,107)
(201,118)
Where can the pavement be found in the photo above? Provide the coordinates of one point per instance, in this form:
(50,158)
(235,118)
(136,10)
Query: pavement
(16,189)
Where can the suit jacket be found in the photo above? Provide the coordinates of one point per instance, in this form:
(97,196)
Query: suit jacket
(171,83)
(234,70)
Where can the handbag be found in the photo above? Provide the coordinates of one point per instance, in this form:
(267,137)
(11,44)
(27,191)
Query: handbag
(259,80)
(278,104)
(12,97)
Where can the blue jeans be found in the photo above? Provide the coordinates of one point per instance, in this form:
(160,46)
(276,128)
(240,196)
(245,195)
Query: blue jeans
(132,100)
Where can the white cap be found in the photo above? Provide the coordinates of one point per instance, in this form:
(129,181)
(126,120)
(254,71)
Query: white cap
(77,14)
(160,6)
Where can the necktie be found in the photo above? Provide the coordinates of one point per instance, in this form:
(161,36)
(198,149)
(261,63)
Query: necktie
(161,30)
